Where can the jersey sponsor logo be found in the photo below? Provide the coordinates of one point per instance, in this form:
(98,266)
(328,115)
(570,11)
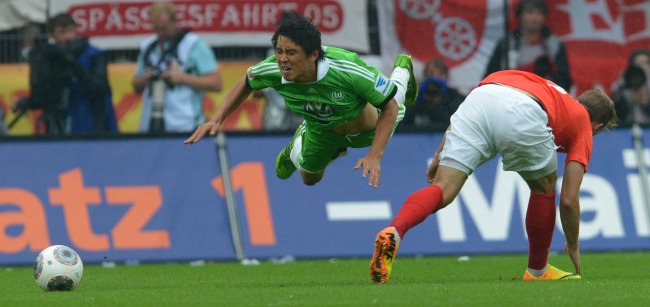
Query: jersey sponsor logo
(338,95)
(319,110)
(556,87)
(381,85)
(311,90)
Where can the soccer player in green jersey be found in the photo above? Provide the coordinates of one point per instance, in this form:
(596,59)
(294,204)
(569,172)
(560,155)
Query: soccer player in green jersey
(345,103)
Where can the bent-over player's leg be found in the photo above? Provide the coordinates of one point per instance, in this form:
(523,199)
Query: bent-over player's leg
(417,207)
(540,224)
(462,153)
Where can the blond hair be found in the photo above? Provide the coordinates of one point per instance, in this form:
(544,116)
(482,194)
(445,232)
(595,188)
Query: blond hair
(160,8)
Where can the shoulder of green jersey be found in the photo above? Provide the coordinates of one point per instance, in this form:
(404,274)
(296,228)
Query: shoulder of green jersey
(353,68)
(265,68)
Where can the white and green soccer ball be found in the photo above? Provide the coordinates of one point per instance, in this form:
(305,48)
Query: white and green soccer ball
(58,268)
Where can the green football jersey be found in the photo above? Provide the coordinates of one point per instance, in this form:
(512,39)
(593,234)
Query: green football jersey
(343,86)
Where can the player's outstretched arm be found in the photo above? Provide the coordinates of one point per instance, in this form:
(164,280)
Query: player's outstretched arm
(570,209)
(371,162)
(235,97)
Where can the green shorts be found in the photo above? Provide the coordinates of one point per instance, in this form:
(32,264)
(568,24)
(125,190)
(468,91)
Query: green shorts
(320,146)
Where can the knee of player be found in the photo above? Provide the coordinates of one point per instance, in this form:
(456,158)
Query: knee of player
(311,179)
(310,182)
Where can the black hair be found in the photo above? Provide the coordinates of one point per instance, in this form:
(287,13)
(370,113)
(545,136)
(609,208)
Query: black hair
(531,4)
(302,31)
(637,53)
(61,20)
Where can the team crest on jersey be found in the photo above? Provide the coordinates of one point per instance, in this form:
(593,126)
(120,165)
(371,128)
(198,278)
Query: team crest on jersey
(338,95)
(319,110)
(381,84)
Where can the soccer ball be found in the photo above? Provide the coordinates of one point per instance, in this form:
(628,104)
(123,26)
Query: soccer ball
(58,268)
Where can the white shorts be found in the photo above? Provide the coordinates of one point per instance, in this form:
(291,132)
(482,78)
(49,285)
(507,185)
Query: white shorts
(497,119)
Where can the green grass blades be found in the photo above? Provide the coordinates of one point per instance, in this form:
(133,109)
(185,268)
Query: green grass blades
(609,279)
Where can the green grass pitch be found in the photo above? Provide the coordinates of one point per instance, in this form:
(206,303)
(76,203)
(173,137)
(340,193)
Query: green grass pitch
(609,279)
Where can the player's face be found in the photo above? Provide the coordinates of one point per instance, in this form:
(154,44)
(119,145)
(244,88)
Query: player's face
(294,64)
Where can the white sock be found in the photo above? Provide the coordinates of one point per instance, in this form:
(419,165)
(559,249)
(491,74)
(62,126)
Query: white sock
(400,77)
(537,273)
(296,151)
(398,239)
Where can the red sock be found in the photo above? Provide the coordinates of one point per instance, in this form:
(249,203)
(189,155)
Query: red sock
(417,208)
(540,224)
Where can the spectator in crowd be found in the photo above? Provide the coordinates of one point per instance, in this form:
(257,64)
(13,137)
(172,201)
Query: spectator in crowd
(345,102)
(29,34)
(436,100)
(175,67)
(632,95)
(533,47)
(69,82)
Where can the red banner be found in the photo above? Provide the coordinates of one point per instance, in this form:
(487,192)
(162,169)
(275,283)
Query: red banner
(599,35)
(129,18)
(122,24)
(448,30)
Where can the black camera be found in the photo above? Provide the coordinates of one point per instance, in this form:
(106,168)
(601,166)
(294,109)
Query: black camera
(156,74)
(634,77)
(65,55)
(544,66)
(435,86)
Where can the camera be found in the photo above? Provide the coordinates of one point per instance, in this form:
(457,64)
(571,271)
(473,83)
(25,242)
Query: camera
(156,74)
(634,77)
(432,90)
(435,86)
(544,67)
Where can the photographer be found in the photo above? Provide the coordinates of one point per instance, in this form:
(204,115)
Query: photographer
(69,83)
(533,47)
(174,68)
(435,103)
(632,97)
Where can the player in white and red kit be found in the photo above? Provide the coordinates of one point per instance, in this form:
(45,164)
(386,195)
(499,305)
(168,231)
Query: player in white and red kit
(526,119)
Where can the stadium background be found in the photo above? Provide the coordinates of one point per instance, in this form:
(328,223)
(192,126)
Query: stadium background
(153,199)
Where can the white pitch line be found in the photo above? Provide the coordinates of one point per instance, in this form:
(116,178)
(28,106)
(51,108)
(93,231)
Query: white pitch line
(358,210)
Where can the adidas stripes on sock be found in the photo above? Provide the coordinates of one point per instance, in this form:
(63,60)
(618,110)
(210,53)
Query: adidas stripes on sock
(296,150)
(400,77)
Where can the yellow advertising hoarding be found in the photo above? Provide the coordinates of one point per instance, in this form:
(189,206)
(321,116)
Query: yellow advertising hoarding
(14,84)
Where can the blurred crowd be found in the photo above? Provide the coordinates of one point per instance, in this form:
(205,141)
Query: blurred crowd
(534,48)
(175,68)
